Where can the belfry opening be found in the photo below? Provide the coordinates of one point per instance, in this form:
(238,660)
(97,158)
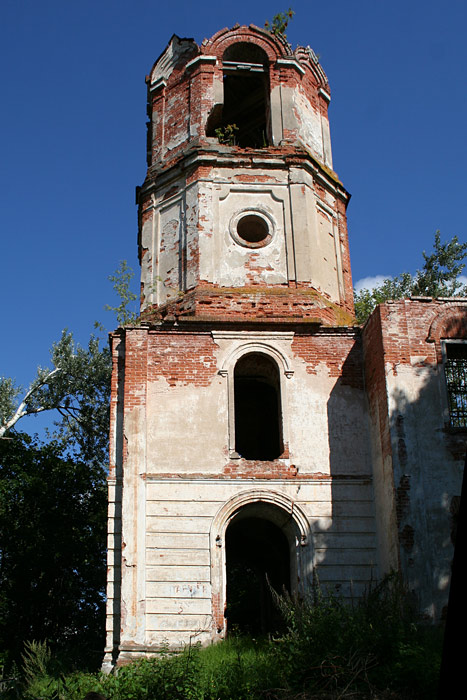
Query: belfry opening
(258,416)
(257,568)
(246,96)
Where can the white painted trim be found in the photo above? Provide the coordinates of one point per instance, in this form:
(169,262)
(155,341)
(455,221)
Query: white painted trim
(161,82)
(254,342)
(291,63)
(201,59)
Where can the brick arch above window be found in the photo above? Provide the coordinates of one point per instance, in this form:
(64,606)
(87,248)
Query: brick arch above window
(275,46)
(449,323)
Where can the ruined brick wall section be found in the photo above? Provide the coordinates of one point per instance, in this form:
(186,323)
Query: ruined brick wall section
(333,404)
(183,90)
(183,374)
(339,354)
(182,358)
(135,369)
(178,474)
(423,454)
(210,303)
(186,242)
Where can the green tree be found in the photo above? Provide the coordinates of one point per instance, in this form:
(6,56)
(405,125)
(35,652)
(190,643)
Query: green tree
(53,500)
(52,551)
(439,277)
(121,280)
(77,388)
(53,506)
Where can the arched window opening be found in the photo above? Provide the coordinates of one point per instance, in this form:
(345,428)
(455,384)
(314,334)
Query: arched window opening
(246,98)
(258,416)
(455,367)
(257,560)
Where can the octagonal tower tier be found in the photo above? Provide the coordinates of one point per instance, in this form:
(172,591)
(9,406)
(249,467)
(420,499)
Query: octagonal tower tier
(241,214)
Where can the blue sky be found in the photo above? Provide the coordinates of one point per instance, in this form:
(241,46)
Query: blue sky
(72,127)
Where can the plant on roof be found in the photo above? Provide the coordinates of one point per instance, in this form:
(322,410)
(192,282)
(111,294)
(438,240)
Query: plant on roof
(280,22)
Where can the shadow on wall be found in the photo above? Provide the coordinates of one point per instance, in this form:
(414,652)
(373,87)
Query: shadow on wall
(393,440)
(349,558)
(427,458)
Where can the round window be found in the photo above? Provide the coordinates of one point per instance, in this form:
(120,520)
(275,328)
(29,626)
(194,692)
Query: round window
(252,230)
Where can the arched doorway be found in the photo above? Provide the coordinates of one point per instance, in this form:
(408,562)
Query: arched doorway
(258,562)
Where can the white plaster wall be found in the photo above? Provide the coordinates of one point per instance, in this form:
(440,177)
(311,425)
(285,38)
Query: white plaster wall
(133,604)
(183,421)
(383,485)
(326,141)
(299,116)
(327,274)
(239,265)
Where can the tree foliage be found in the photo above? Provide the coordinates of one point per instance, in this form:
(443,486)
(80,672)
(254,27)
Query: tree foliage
(53,501)
(52,552)
(53,505)
(121,280)
(77,388)
(439,277)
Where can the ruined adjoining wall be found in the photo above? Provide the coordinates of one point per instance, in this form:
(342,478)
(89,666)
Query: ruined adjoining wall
(417,454)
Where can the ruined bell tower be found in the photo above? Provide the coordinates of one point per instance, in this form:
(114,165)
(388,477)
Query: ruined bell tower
(234,455)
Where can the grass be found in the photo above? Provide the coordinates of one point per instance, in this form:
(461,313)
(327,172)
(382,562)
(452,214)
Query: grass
(374,649)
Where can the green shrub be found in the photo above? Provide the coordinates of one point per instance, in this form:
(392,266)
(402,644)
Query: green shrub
(375,643)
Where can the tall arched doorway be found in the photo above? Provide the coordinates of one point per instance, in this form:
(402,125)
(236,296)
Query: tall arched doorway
(258,561)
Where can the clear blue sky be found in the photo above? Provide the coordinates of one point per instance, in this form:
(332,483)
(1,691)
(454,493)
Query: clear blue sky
(72,126)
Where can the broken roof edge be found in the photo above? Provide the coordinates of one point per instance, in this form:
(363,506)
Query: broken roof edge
(175,49)
(275,45)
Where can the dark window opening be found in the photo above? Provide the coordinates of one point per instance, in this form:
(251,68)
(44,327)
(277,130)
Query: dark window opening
(246,98)
(456,380)
(257,558)
(253,230)
(245,53)
(258,419)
